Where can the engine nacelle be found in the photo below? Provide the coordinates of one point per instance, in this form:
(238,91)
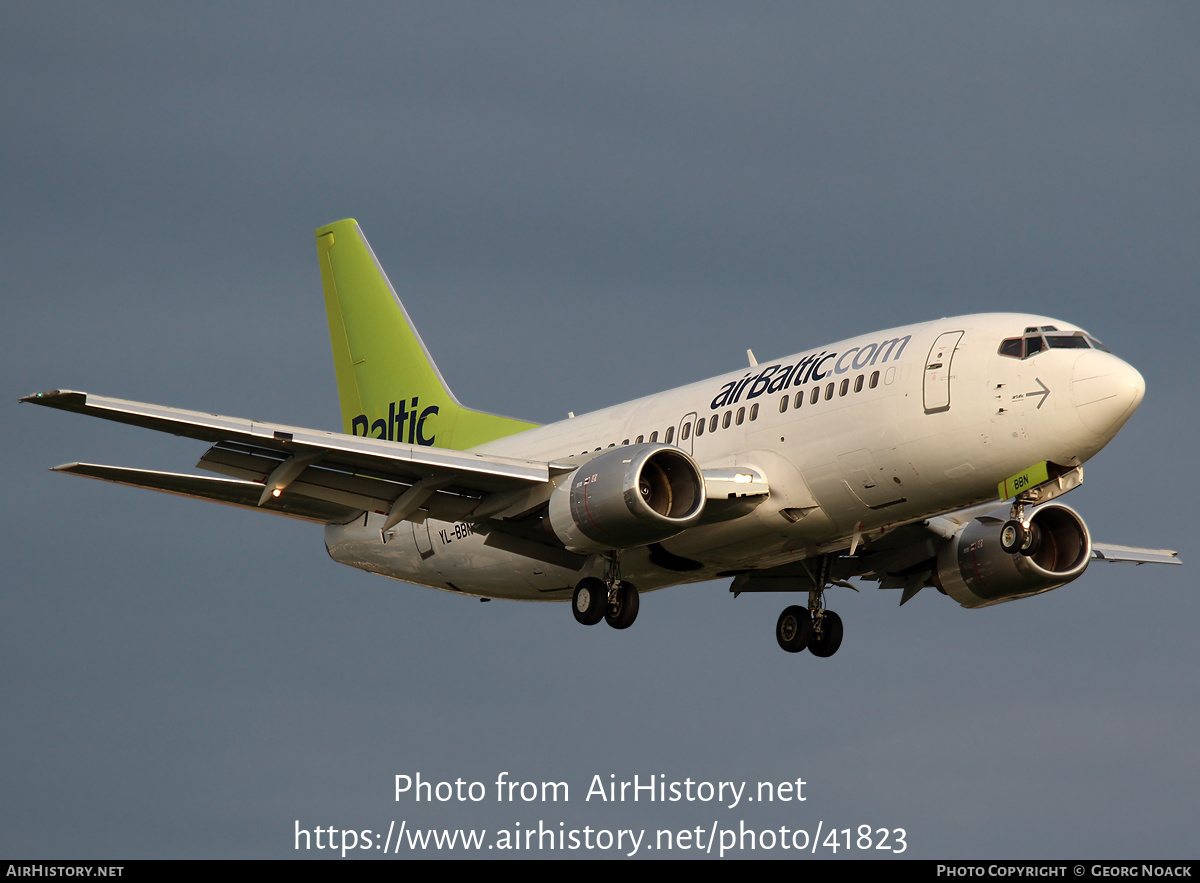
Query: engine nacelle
(629,496)
(975,571)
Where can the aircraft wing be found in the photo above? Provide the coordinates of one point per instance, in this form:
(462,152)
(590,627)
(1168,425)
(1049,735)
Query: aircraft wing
(904,547)
(1108,552)
(906,558)
(313,474)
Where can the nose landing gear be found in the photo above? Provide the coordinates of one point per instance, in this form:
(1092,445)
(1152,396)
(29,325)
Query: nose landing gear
(1020,534)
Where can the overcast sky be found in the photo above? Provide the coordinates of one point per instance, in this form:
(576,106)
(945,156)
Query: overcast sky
(579,204)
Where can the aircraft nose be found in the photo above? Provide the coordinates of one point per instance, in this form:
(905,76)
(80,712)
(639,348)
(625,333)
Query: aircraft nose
(1106,390)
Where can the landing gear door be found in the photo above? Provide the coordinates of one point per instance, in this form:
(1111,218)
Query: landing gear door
(686,431)
(937,372)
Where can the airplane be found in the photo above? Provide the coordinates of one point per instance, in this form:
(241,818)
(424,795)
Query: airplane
(930,455)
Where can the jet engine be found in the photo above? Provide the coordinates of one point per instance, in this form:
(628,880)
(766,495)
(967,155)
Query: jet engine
(629,496)
(974,569)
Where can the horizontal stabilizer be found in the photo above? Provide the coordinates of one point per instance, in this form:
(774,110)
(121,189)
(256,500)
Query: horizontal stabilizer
(229,491)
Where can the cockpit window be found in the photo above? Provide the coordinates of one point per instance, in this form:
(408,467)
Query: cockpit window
(1067,342)
(1033,342)
(1011,347)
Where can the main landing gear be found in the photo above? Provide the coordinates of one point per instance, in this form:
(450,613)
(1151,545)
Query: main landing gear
(612,599)
(819,630)
(814,627)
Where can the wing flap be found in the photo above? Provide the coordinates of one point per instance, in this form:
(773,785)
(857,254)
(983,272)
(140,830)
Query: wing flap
(333,486)
(228,491)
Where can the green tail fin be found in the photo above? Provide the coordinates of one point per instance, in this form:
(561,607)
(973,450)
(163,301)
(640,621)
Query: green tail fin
(388,385)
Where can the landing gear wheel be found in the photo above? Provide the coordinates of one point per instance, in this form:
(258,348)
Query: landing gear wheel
(621,613)
(827,642)
(590,600)
(793,629)
(1013,536)
(1033,541)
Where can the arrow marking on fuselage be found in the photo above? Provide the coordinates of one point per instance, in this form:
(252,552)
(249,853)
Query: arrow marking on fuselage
(1044,392)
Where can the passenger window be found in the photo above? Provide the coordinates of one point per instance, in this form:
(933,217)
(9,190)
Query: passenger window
(638,440)
(613,445)
(829,391)
(699,428)
(741,415)
(845,387)
(728,417)
(799,398)
(816,394)
(754,411)
(783,403)
(654,437)
(858,382)
(874,379)
(670,435)
(625,442)
(712,423)
(686,432)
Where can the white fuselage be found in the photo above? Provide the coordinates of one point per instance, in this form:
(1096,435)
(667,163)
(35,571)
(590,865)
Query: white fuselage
(891,427)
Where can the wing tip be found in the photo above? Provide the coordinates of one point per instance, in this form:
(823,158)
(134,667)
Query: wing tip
(36,397)
(55,397)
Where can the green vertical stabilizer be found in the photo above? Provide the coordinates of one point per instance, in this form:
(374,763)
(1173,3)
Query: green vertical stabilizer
(388,385)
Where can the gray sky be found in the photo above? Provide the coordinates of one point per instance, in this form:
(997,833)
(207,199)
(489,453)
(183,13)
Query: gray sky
(683,181)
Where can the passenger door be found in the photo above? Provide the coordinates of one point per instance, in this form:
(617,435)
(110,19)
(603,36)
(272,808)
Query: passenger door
(937,372)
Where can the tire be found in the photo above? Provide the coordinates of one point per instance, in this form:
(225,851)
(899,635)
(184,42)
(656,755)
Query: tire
(622,612)
(1012,537)
(590,600)
(1033,541)
(830,638)
(793,629)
